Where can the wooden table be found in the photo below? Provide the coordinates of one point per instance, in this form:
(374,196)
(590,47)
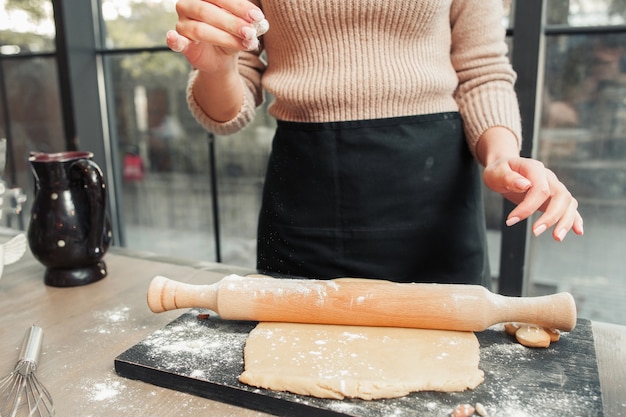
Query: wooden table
(85,328)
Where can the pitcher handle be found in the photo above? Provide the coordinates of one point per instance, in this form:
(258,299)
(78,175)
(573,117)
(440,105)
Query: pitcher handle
(89,172)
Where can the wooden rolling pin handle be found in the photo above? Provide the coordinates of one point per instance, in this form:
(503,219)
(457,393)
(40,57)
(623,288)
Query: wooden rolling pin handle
(165,294)
(556,311)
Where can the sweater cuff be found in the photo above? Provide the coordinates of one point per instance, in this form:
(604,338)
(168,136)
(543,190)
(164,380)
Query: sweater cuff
(241,120)
(496,108)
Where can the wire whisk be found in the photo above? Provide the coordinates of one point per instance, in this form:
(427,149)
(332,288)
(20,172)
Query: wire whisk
(21,393)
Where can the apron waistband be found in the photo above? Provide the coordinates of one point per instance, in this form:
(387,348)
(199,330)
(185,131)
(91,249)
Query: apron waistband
(368,123)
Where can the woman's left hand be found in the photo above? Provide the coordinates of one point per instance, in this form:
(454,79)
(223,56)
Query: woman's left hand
(529,184)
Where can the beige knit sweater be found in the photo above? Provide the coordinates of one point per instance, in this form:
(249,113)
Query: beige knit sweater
(337,60)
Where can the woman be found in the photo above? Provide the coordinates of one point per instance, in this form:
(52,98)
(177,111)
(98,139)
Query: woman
(385,110)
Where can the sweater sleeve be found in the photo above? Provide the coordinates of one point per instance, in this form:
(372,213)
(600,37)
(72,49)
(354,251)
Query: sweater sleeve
(251,68)
(485,94)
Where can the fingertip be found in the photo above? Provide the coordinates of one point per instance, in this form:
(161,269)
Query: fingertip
(248,32)
(560,235)
(578,225)
(174,41)
(256,15)
(262,27)
(171,35)
(578,229)
(512,221)
(251,44)
(539,229)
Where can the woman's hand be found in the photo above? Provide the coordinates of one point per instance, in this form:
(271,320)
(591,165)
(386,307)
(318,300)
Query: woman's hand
(211,33)
(532,186)
(529,184)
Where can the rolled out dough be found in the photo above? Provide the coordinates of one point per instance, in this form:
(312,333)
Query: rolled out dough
(330,361)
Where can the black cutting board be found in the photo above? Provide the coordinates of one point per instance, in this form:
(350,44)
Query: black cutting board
(204,356)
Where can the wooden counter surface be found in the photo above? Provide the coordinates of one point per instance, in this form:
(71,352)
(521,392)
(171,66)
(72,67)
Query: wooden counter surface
(85,328)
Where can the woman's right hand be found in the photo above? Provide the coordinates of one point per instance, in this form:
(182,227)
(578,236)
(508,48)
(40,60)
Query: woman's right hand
(211,33)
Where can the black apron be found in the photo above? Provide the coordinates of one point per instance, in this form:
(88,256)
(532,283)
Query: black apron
(397,199)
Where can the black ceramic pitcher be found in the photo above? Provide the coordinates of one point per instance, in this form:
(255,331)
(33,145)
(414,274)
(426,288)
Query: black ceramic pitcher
(69,230)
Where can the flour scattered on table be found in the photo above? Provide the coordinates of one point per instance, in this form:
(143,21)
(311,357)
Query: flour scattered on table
(109,321)
(114,316)
(106,390)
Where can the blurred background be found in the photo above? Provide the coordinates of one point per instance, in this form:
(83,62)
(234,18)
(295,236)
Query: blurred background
(97,76)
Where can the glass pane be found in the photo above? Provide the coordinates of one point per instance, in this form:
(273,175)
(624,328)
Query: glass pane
(26,27)
(165,190)
(494,218)
(137,23)
(509,8)
(583,139)
(586,13)
(166,166)
(242,160)
(34,120)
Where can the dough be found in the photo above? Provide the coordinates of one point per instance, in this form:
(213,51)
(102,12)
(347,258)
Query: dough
(359,362)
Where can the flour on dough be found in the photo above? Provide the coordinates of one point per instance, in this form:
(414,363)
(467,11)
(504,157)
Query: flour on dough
(329,361)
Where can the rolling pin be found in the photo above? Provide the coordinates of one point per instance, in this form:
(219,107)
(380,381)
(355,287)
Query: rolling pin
(362,302)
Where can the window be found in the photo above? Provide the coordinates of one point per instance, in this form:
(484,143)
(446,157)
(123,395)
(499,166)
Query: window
(583,139)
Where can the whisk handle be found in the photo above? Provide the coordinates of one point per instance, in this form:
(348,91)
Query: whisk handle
(31,346)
